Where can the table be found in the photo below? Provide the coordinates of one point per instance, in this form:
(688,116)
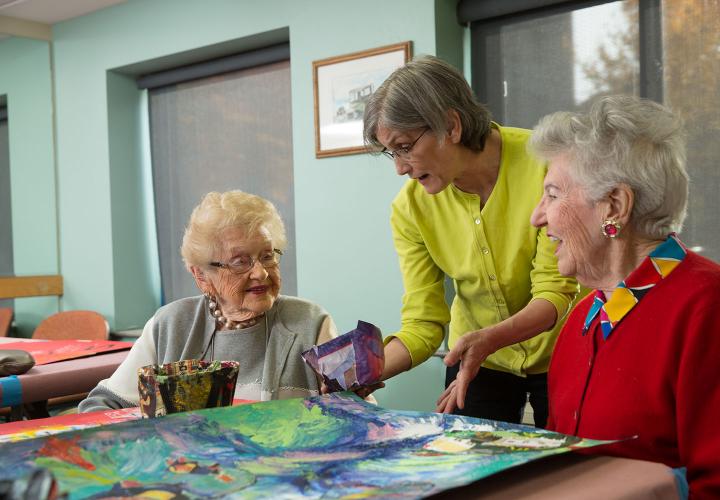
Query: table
(572,476)
(67,377)
(64,378)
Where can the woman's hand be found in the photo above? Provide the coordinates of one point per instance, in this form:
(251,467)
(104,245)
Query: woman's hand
(471,350)
(363,391)
(446,403)
(366,390)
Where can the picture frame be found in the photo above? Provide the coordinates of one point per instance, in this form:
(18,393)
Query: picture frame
(341,86)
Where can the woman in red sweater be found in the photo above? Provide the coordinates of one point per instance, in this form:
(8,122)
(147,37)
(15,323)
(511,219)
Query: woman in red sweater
(639,359)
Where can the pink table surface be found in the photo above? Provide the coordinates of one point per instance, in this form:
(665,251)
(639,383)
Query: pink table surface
(65,378)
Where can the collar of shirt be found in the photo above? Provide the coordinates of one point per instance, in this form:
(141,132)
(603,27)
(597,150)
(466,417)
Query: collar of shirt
(656,266)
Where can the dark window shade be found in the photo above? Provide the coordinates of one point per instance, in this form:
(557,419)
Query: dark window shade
(231,131)
(533,57)
(526,66)
(227,64)
(6,236)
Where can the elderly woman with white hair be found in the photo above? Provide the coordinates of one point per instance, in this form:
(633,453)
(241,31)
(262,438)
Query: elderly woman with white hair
(232,247)
(638,360)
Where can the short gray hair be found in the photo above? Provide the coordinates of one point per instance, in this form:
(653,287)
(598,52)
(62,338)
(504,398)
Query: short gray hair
(231,209)
(419,95)
(624,139)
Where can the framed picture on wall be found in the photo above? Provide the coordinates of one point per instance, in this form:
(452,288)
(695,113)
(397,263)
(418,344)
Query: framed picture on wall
(342,85)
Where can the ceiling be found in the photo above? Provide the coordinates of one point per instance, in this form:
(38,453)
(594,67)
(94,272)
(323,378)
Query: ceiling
(51,11)
(34,18)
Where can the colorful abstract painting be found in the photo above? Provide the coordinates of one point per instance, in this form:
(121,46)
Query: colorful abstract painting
(39,427)
(29,429)
(334,446)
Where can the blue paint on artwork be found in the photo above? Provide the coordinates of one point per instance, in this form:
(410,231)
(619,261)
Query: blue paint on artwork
(325,447)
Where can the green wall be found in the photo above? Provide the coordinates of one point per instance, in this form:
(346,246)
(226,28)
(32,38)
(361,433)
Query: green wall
(26,81)
(106,247)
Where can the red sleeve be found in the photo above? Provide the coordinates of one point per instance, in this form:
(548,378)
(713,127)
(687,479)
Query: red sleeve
(698,399)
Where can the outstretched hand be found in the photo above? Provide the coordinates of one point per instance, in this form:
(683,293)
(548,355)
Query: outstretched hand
(362,391)
(471,350)
(447,402)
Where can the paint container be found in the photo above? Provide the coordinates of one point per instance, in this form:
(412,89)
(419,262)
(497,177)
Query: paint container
(186,385)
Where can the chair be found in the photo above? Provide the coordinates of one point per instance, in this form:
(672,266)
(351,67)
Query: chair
(67,325)
(6,315)
(73,325)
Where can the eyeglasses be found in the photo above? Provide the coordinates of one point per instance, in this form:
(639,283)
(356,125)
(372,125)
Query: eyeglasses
(402,151)
(244,263)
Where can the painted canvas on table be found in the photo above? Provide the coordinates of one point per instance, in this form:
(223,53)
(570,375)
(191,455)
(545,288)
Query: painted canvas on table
(325,447)
(40,427)
(29,429)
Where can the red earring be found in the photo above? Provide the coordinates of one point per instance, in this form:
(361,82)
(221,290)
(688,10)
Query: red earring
(611,228)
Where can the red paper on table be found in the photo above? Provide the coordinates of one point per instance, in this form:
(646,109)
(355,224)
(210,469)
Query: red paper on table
(28,429)
(50,351)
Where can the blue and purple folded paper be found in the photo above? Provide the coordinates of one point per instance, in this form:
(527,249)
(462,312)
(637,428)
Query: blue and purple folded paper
(352,360)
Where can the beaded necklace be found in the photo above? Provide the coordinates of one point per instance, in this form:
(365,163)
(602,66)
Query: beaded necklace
(223,323)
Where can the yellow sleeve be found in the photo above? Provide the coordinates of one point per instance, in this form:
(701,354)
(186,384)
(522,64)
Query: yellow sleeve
(547,282)
(424,311)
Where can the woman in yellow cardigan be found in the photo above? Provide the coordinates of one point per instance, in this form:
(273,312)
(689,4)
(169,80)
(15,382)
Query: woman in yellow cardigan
(465,213)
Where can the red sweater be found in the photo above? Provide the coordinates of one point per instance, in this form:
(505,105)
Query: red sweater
(657,377)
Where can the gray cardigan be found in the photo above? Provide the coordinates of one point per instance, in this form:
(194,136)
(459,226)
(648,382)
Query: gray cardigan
(183,330)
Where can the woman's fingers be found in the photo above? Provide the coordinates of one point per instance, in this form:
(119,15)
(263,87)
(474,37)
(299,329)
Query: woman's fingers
(461,388)
(446,402)
(445,393)
(366,390)
(456,353)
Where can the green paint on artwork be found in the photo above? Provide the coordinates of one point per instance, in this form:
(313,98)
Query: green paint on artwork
(304,427)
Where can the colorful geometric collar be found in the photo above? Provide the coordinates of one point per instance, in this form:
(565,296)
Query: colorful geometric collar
(656,266)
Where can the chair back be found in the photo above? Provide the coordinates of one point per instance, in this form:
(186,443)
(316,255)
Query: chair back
(6,315)
(69,325)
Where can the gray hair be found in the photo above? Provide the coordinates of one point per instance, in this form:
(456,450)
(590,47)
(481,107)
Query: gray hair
(419,95)
(231,209)
(624,139)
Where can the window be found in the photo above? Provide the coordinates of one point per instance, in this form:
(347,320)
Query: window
(534,57)
(223,132)
(691,82)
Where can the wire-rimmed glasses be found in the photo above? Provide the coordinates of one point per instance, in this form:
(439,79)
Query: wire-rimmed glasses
(244,263)
(402,151)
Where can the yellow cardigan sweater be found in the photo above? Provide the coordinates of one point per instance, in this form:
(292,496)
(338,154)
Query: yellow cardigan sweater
(496,259)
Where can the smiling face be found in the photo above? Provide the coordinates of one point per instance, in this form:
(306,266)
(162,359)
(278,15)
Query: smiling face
(574,222)
(242,295)
(428,162)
